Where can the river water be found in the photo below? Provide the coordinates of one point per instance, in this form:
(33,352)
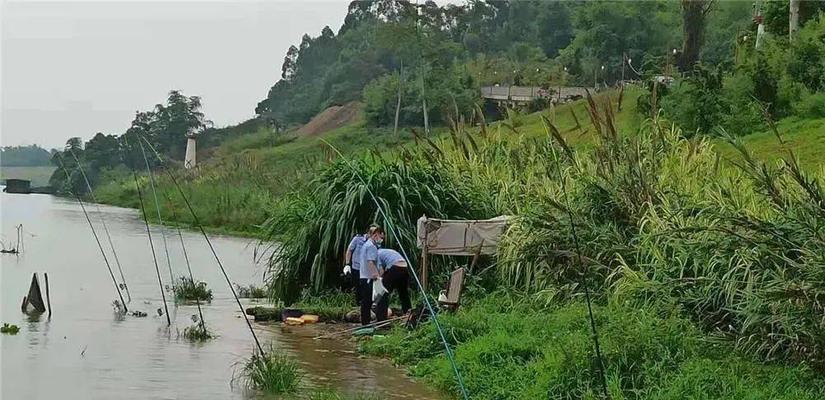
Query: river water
(86,351)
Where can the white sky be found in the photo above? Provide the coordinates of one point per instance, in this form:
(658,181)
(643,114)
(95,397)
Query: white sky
(73,68)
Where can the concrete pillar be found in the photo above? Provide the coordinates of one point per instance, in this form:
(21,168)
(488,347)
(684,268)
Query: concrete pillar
(190,160)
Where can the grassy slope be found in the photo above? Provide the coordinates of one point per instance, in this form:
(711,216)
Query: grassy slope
(38,175)
(245,175)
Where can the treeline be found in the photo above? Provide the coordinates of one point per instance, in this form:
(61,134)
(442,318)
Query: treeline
(435,58)
(162,129)
(24,156)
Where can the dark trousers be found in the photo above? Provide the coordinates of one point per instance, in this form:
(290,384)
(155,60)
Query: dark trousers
(395,279)
(355,282)
(365,289)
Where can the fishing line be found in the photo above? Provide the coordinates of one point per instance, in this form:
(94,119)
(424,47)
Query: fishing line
(593,329)
(208,242)
(160,220)
(94,233)
(103,222)
(149,234)
(411,269)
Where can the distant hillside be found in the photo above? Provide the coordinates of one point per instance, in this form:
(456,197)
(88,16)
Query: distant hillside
(24,156)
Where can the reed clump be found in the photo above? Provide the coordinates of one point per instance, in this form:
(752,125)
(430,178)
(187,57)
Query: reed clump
(188,290)
(271,373)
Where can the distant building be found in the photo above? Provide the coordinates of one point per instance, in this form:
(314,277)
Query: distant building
(17,186)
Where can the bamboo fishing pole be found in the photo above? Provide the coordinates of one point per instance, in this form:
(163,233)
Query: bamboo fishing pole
(160,220)
(94,233)
(149,234)
(103,222)
(197,223)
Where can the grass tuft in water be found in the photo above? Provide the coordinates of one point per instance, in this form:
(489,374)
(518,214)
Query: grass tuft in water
(271,373)
(197,333)
(9,329)
(251,292)
(187,290)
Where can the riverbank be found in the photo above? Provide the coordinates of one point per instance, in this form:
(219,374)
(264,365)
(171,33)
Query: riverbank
(515,346)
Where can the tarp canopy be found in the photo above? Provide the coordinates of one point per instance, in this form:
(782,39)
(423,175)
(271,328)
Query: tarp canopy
(461,237)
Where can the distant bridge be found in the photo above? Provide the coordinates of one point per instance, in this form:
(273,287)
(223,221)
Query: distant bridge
(526,94)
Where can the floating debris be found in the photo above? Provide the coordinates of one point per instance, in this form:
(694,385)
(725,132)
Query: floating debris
(33,303)
(139,314)
(9,329)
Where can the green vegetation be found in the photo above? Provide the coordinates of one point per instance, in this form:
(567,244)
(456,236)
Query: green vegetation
(188,290)
(250,292)
(197,333)
(778,80)
(271,373)
(9,329)
(731,252)
(519,346)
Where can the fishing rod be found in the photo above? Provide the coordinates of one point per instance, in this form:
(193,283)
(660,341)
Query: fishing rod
(197,222)
(160,220)
(584,280)
(188,266)
(94,233)
(149,234)
(377,324)
(103,222)
(395,235)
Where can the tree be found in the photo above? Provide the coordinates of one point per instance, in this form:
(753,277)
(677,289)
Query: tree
(288,68)
(694,20)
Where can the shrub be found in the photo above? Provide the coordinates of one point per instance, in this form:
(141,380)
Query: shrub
(812,105)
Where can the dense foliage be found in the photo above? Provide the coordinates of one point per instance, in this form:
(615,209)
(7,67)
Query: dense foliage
(440,55)
(781,78)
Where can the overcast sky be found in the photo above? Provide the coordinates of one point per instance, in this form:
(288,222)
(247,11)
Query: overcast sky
(76,68)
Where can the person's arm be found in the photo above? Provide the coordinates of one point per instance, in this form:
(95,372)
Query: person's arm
(347,256)
(374,271)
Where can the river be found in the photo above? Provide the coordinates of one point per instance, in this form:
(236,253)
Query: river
(86,351)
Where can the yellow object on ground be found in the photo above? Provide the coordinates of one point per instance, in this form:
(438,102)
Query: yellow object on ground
(309,318)
(294,321)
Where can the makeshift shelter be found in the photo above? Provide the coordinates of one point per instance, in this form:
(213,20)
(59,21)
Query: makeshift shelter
(458,238)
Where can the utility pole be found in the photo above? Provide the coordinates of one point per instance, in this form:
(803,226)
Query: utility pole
(793,19)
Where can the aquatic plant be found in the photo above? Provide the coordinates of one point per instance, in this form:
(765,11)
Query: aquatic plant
(9,329)
(250,292)
(187,290)
(197,333)
(270,373)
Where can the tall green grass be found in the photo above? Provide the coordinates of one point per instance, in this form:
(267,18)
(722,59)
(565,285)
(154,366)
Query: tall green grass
(660,219)
(271,373)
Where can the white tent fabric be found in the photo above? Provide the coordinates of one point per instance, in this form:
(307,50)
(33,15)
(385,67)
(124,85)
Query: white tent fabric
(461,237)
